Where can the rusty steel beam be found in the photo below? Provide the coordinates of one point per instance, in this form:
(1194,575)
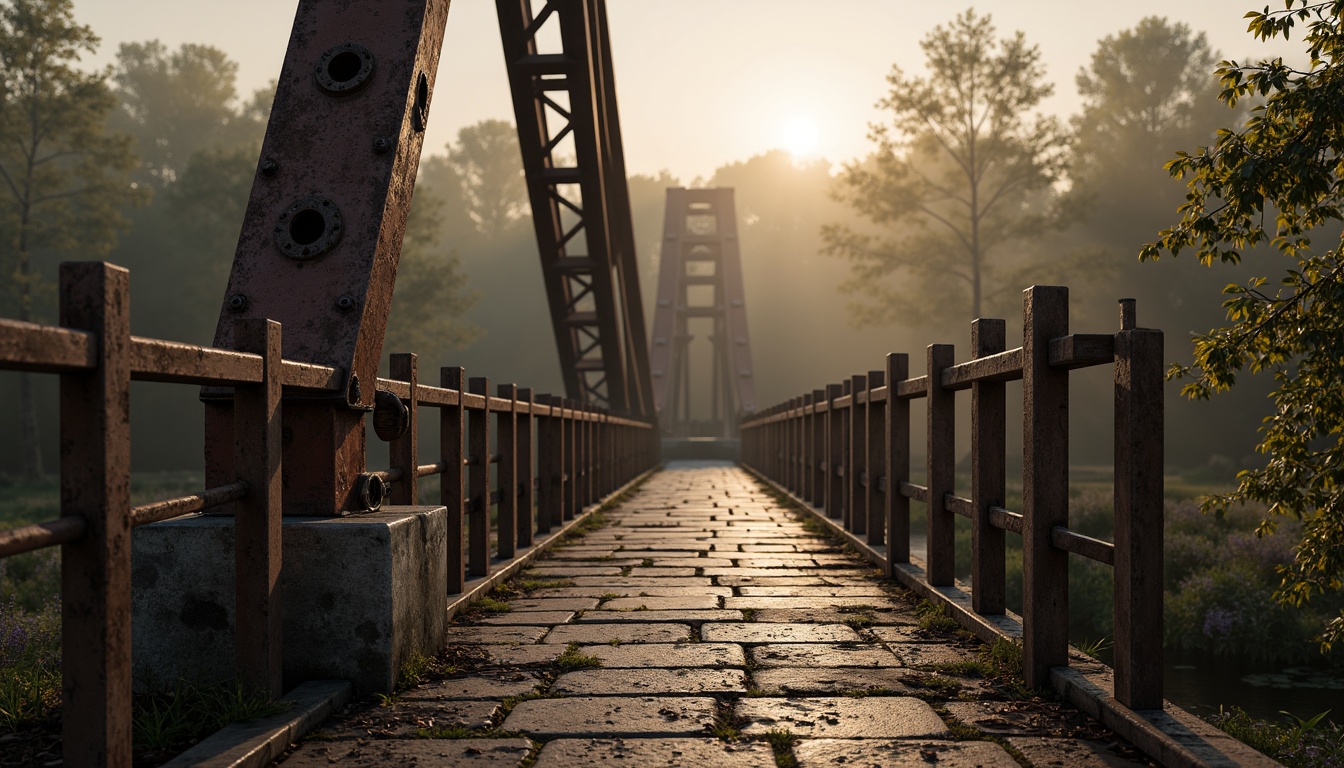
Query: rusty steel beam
(324,225)
(564,102)
(700,248)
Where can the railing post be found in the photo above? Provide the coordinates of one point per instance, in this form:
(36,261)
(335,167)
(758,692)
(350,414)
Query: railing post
(898,464)
(806,475)
(453,488)
(256,523)
(820,450)
(95,484)
(942,458)
(506,433)
(794,445)
(574,461)
(405,451)
(875,441)
(530,514)
(988,446)
(1045,485)
(835,446)
(478,510)
(548,459)
(1138,517)
(856,510)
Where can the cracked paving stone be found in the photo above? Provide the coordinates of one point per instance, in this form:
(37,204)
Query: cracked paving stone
(895,717)
(607,590)
(664,655)
(523,655)
(884,753)
(673,615)
(611,716)
(554,604)
(869,590)
(905,633)
(757,632)
(764,603)
(928,654)
(406,719)
(608,682)
(684,603)
(823,655)
(621,633)
(525,618)
(561,571)
(655,753)
(1025,718)
(403,753)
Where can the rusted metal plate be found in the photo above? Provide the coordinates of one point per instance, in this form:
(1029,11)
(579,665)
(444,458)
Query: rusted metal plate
(323,230)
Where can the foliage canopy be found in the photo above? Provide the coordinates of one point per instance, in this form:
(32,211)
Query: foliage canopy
(1276,181)
(963,170)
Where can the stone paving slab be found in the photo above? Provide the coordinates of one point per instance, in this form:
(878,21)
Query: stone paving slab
(689,616)
(495,635)
(480,685)
(823,655)
(524,655)
(562,571)
(887,753)
(602,591)
(655,753)
(620,633)
(651,655)
(757,632)
(930,654)
(897,717)
(553,604)
(608,682)
(826,616)
(527,618)
(642,581)
(865,590)
(776,603)
(685,603)
(792,681)
(613,716)
(404,753)
(1069,753)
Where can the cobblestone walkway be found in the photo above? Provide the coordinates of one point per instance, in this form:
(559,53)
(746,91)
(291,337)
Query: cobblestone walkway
(706,625)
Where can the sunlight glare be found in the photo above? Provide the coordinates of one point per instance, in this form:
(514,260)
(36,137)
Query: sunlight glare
(799,135)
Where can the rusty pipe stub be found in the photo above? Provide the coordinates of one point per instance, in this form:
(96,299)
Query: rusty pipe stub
(391,417)
(370,490)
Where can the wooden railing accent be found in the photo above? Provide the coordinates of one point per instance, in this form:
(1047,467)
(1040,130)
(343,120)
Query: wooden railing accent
(845,450)
(584,454)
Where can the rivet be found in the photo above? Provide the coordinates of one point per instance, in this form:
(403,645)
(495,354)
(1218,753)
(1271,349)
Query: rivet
(345,303)
(237,302)
(269,167)
(382,145)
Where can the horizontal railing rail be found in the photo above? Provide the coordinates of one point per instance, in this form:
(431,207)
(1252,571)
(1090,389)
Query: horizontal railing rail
(845,450)
(582,455)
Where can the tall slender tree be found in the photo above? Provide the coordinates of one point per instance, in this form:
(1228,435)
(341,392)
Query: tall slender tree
(964,169)
(63,177)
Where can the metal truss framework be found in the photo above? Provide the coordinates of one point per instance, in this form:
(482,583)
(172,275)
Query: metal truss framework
(700,276)
(564,99)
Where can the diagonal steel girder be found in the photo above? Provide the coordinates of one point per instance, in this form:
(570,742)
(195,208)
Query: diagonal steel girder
(564,97)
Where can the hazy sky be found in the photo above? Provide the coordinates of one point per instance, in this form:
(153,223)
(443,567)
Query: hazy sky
(702,82)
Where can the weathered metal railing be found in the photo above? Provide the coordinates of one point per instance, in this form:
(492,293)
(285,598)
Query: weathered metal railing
(846,451)
(583,455)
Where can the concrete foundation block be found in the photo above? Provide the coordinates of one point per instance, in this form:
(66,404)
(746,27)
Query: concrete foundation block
(360,595)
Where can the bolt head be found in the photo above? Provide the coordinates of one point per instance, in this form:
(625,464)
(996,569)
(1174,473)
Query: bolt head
(237,302)
(269,167)
(382,145)
(346,303)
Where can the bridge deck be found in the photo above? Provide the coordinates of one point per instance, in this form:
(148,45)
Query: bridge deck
(698,627)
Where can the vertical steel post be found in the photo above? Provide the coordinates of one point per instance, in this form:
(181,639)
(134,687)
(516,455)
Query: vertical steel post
(478,511)
(405,451)
(942,460)
(876,462)
(856,511)
(506,432)
(529,516)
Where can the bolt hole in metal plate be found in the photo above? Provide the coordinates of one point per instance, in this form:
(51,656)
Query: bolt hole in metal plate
(308,228)
(420,117)
(344,68)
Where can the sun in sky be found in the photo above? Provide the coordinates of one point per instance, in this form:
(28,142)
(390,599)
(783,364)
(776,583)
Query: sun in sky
(799,134)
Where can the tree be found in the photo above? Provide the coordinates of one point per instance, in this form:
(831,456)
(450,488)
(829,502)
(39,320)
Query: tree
(179,103)
(63,177)
(962,171)
(487,159)
(1277,181)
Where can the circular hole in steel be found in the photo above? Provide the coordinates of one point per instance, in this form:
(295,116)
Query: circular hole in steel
(308,228)
(421,116)
(344,68)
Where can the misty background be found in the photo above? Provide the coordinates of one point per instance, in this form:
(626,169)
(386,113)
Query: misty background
(768,98)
